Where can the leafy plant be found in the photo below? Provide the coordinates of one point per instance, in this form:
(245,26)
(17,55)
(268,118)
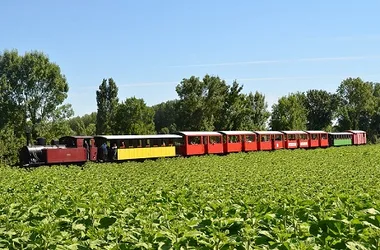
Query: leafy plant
(300,199)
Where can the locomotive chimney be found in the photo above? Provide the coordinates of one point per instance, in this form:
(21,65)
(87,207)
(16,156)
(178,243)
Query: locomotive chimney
(27,132)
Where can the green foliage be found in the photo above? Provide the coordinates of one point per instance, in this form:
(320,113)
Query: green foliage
(10,144)
(58,125)
(166,116)
(374,130)
(289,113)
(211,104)
(301,199)
(133,116)
(107,101)
(321,107)
(83,125)
(31,88)
(356,104)
(257,111)
(193,95)
(12,112)
(234,109)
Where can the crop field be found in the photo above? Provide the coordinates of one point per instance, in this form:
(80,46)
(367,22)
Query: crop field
(301,199)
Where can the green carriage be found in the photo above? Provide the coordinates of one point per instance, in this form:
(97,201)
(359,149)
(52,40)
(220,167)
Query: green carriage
(340,139)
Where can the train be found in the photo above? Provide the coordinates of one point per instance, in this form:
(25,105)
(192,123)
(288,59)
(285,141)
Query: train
(116,148)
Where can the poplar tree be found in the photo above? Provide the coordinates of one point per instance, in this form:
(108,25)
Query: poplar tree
(107,101)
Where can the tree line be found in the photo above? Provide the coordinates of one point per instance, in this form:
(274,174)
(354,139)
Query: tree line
(33,89)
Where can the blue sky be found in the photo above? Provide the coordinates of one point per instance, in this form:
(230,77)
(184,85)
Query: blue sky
(148,47)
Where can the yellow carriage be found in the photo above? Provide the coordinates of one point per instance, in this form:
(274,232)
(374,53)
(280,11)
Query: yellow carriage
(129,147)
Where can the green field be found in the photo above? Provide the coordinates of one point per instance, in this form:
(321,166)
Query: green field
(289,199)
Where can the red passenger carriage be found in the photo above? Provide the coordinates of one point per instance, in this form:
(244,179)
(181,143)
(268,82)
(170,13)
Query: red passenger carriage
(359,137)
(200,142)
(296,139)
(270,140)
(318,138)
(238,141)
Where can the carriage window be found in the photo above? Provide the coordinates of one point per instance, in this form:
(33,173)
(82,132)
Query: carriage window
(147,143)
(314,136)
(278,138)
(303,137)
(324,136)
(177,142)
(155,142)
(265,138)
(234,139)
(292,137)
(249,138)
(215,139)
(193,140)
(136,143)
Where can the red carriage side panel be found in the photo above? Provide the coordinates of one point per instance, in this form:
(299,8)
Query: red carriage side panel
(250,143)
(291,139)
(232,143)
(296,139)
(278,141)
(363,138)
(314,140)
(303,141)
(238,141)
(355,139)
(358,137)
(265,145)
(291,144)
(214,144)
(269,140)
(317,138)
(264,142)
(198,149)
(198,143)
(324,140)
(194,145)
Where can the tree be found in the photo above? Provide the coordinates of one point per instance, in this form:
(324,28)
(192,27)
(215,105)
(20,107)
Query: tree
(356,104)
(58,125)
(10,144)
(12,112)
(289,113)
(166,116)
(258,114)
(211,104)
(244,112)
(321,107)
(201,103)
(32,88)
(133,116)
(191,105)
(234,109)
(107,101)
(214,100)
(374,131)
(84,125)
